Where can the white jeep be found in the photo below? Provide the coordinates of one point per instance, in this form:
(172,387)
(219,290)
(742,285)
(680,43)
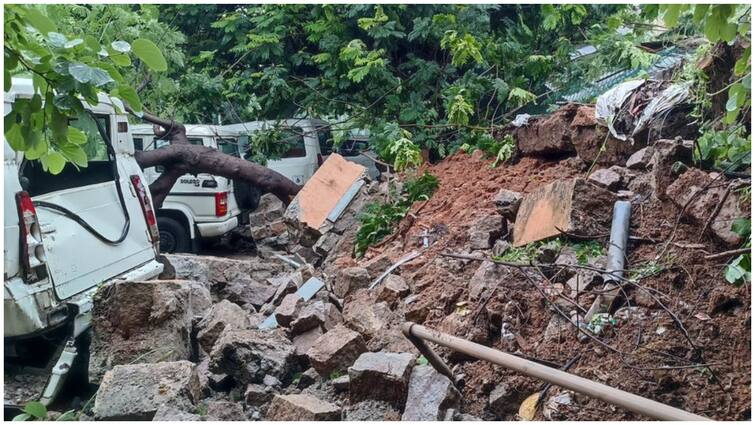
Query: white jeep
(65,235)
(202,206)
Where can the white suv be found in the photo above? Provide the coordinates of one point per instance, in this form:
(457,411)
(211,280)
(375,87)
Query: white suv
(202,206)
(66,234)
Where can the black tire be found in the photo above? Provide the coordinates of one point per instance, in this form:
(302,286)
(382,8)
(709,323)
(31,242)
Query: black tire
(174,237)
(247,195)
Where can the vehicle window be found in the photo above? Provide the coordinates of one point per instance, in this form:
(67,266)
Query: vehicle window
(37,181)
(138,144)
(228,146)
(294,138)
(195,140)
(352,147)
(325,140)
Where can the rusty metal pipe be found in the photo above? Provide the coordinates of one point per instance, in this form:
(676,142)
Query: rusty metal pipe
(562,379)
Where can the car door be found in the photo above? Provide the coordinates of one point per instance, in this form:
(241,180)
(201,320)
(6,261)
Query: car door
(295,162)
(77,259)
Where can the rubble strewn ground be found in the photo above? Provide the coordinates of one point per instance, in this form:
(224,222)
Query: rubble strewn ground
(341,354)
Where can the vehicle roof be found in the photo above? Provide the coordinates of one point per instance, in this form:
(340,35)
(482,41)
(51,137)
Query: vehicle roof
(23,88)
(191,130)
(251,126)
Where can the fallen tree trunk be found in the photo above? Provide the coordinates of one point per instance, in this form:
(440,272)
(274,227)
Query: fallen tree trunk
(181,158)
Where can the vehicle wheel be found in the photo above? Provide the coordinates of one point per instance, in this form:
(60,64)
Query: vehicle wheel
(173,236)
(247,195)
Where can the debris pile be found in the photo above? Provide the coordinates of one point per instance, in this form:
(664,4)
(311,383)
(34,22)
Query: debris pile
(510,257)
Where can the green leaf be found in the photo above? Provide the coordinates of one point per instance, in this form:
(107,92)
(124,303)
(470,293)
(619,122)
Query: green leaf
(39,21)
(92,43)
(741,226)
(699,14)
(73,43)
(121,60)
(35,408)
(76,136)
(22,417)
(7,80)
(671,16)
(731,104)
(69,415)
(57,39)
(54,162)
(121,46)
(128,94)
(80,71)
(74,154)
(150,54)
(15,138)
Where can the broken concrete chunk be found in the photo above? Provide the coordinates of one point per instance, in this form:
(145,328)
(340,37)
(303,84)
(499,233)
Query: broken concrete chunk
(149,321)
(546,135)
(223,315)
(136,391)
(485,231)
(641,160)
(606,178)
(392,289)
(381,376)
(247,293)
(323,198)
(249,355)
(220,410)
(377,265)
(287,310)
(507,203)
(371,410)
(574,206)
(430,395)
(349,280)
(704,203)
(326,244)
(301,407)
(284,285)
(336,350)
(307,378)
(305,341)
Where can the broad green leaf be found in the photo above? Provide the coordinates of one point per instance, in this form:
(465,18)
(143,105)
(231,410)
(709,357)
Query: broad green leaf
(76,136)
(114,74)
(121,46)
(100,77)
(54,162)
(15,138)
(741,226)
(92,43)
(699,14)
(35,408)
(128,94)
(731,104)
(671,16)
(121,60)
(57,39)
(150,54)
(728,32)
(39,21)
(80,71)
(74,154)
(73,43)
(7,80)
(22,417)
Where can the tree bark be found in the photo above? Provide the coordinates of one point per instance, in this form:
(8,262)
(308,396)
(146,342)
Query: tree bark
(181,157)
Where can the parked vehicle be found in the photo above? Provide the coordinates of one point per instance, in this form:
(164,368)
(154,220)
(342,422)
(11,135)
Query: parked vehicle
(202,206)
(303,157)
(357,149)
(65,235)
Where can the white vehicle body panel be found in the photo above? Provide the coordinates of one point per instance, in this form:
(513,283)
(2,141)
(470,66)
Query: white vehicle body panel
(76,261)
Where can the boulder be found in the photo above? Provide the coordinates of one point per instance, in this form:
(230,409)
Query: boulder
(283,285)
(371,410)
(220,271)
(377,265)
(169,413)
(314,314)
(507,203)
(247,293)
(366,316)
(575,206)
(223,315)
(249,355)
(209,382)
(136,391)
(484,232)
(392,289)
(349,280)
(301,407)
(336,350)
(606,178)
(430,395)
(381,376)
(641,160)
(288,308)
(341,384)
(307,378)
(546,135)
(147,321)
(593,142)
(258,394)
(303,342)
(220,410)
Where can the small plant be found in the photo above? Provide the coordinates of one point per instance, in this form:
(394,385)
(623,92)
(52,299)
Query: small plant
(335,375)
(404,152)
(296,378)
(422,361)
(586,250)
(505,151)
(739,271)
(648,269)
(33,411)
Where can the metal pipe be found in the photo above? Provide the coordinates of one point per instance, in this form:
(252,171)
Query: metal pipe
(562,379)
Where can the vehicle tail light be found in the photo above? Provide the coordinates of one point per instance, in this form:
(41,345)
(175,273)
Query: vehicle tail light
(319,159)
(33,257)
(221,204)
(149,213)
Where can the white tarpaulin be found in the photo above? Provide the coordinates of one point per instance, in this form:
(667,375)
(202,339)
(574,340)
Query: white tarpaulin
(609,104)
